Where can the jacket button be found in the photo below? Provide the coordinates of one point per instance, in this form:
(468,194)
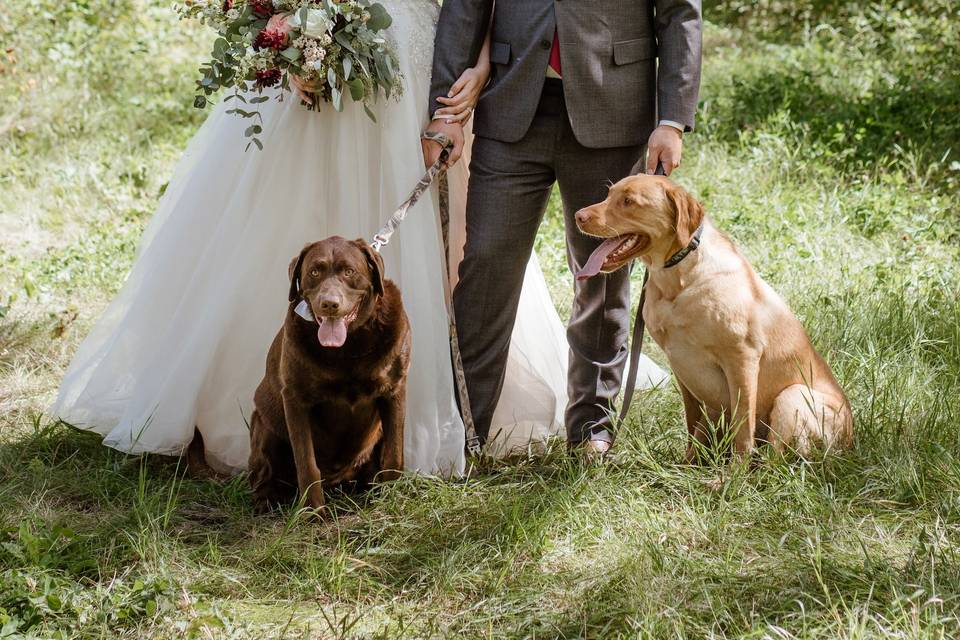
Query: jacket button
(546,44)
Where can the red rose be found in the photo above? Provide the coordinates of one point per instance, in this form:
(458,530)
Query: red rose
(227,5)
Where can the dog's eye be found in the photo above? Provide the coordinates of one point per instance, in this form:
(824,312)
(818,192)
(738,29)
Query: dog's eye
(625,201)
(315,273)
(348,272)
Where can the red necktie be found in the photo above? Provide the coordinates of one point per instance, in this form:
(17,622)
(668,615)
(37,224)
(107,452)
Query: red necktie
(555,54)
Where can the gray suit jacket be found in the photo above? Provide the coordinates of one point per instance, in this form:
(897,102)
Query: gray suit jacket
(614,88)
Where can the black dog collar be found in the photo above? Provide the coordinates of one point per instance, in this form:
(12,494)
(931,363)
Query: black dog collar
(676,258)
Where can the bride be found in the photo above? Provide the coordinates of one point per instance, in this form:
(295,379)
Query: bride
(184,343)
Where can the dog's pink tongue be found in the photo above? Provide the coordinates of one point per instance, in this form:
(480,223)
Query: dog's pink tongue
(332,332)
(597,258)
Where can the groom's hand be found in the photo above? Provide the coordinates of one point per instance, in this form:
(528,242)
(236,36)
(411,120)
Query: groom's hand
(431,150)
(666,146)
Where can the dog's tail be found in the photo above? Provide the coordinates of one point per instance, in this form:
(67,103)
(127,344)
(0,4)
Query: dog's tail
(197,466)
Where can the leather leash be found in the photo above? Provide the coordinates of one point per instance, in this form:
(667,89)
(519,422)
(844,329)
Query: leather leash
(636,340)
(382,238)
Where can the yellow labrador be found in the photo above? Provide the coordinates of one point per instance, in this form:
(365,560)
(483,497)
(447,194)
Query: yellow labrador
(737,350)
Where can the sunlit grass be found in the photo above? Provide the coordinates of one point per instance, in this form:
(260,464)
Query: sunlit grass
(808,151)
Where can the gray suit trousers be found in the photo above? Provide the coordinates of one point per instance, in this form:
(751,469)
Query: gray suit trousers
(510,184)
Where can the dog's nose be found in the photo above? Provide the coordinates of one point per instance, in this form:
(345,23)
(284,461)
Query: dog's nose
(583,215)
(329,306)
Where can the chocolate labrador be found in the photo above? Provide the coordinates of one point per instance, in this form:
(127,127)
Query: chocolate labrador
(735,346)
(330,408)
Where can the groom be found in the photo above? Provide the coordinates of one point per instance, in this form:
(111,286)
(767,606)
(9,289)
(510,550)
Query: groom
(578,90)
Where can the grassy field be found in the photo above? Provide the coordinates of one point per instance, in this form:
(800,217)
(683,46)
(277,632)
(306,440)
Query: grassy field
(828,145)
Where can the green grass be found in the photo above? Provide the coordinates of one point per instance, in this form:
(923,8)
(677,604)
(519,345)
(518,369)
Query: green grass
(828,145)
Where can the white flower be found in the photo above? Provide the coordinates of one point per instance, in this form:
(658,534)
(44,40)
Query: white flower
(316,24)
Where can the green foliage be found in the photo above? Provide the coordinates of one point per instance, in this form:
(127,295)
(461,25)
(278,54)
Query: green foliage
(93,97)
(41,587)
(826,146)
(874,92)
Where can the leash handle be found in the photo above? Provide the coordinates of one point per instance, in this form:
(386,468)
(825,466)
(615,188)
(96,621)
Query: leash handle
(442,139)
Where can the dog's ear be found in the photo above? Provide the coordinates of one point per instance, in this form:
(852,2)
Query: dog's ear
(375,262)
(293,272)
(689,213)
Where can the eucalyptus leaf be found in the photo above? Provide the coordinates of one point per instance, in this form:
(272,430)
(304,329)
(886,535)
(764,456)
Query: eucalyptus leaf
(291,53)
(363,66)
(384,71)
(347,68)
(356,89)
(379,17)
(344,41)
(337,97)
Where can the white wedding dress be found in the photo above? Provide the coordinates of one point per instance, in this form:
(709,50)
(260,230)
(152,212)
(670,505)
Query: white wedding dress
(185,341)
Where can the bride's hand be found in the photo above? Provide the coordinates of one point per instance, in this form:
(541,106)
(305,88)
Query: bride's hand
(304,88)
(464,94)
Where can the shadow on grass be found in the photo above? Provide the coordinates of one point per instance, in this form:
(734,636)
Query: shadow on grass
(484,550)
(65,476)
(664,591)
(867,132)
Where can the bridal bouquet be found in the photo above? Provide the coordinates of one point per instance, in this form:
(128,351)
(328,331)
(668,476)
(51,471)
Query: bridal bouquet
(333,46)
